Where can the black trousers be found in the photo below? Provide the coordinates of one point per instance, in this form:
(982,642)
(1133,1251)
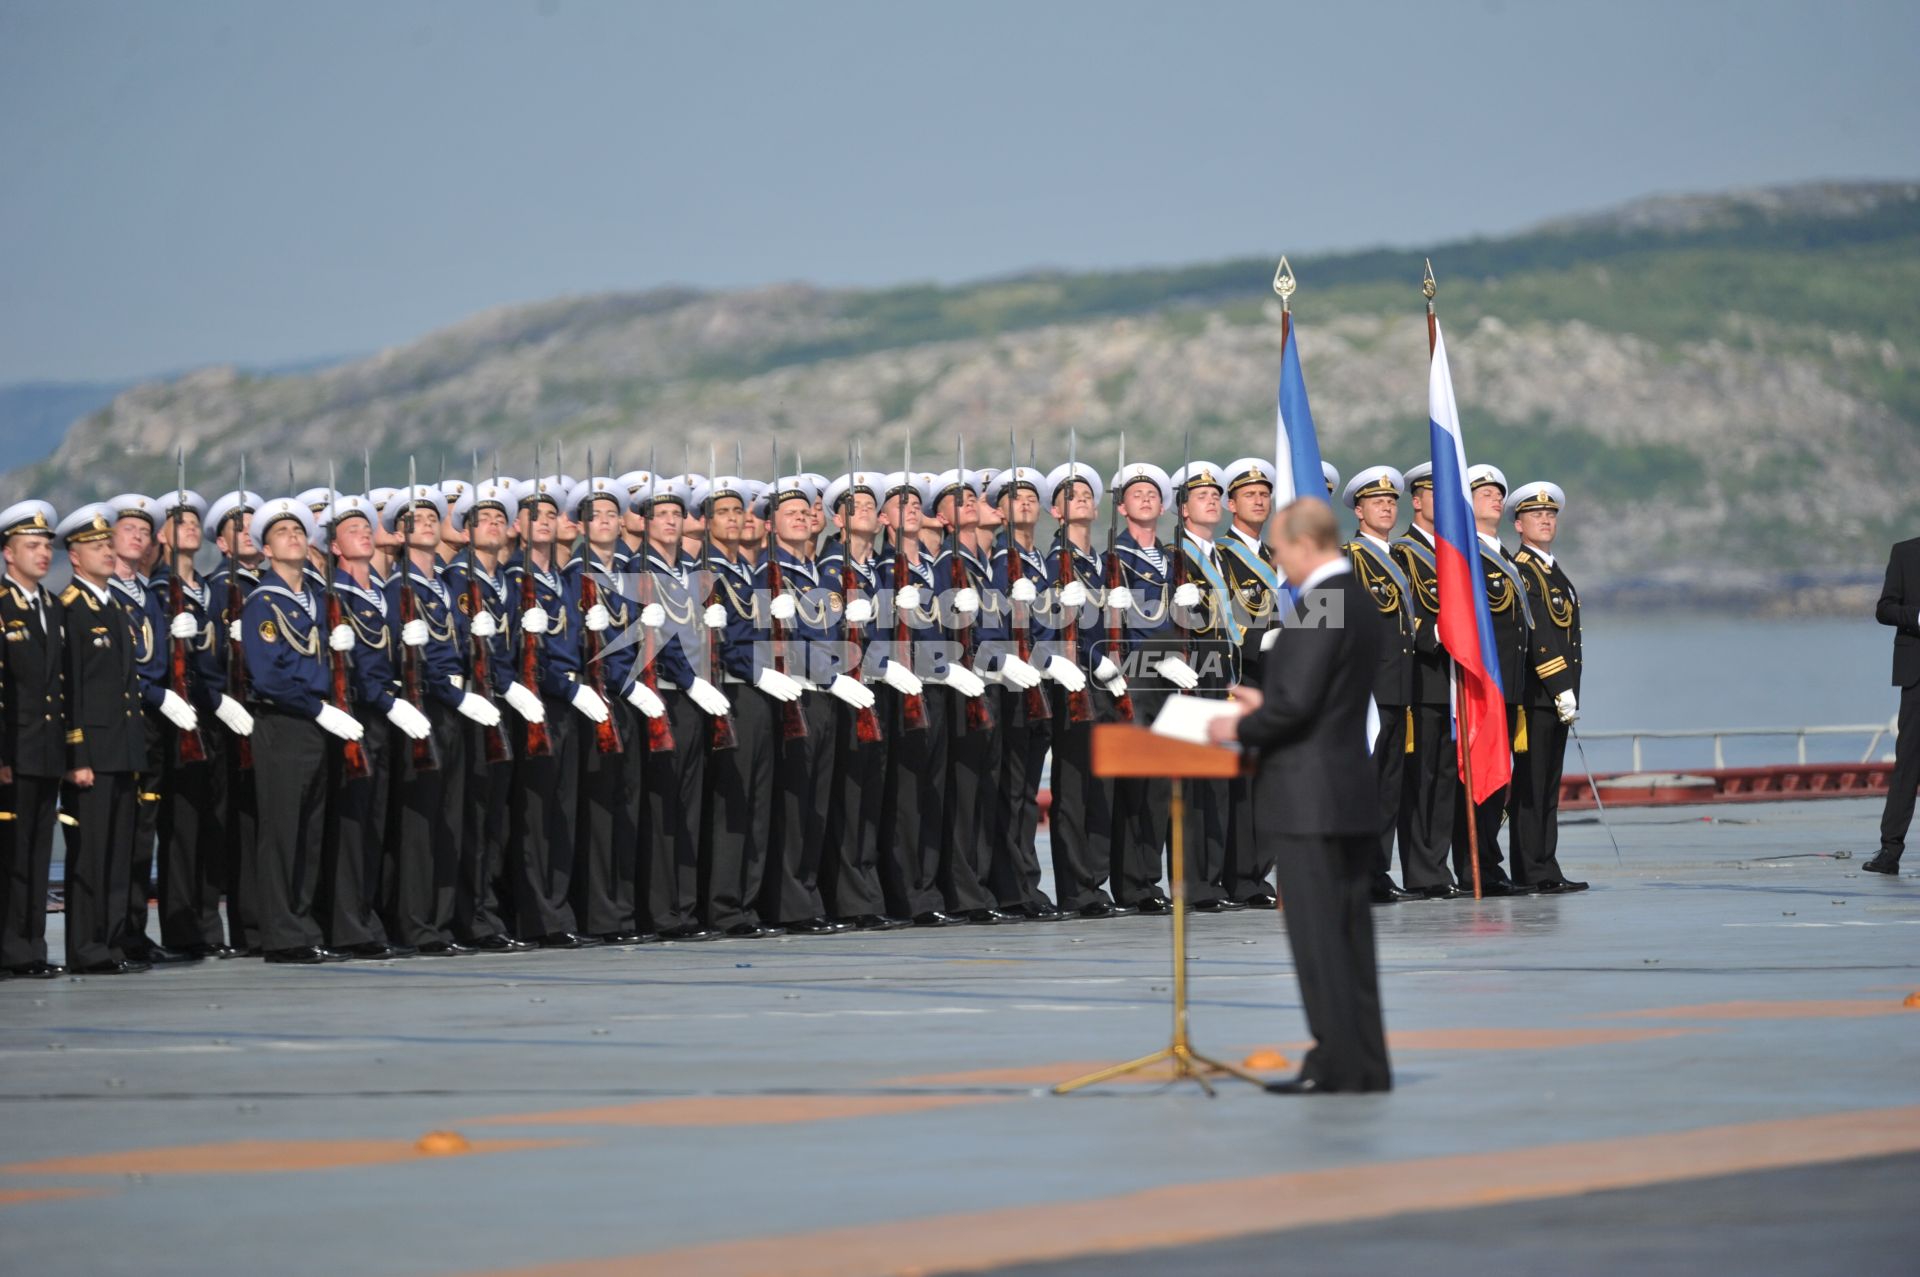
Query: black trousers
(802,774)
(1389,768)
(543,822)
(966,855)
(1428,795)
(356,839)
(1898,813)
(190,823)
(1533,805)
(143,881)
(290,753)
(739,815)
(850,862)
(670,817)
(27,841)
(99,842)
(1249,871)
(611,848)
(477,910)
(1140,815)
(240,863)
(1014,877)
(423,852)
(913,804)
(1080,821)
(1326,884)
(1487,816)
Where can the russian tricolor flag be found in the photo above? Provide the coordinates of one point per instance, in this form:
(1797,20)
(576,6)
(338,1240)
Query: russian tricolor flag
(1466,626)
(1296,449)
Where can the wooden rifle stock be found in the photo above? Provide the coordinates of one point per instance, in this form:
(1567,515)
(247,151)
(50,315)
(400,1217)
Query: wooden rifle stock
(1079,704)
(606,733)
(659,731)
(793,725)
(866,723)
(1123,703)
(425,758)
(353,753)
(539,743)
(724,736)
(236,661)
(480,669)
(977,719)
(193,746)
(1037,707)
(913,709)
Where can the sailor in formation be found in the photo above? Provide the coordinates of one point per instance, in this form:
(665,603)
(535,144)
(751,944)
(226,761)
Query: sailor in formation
(492,714)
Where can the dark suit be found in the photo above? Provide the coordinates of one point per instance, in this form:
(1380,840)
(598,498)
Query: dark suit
(105,731)
(1432,780)
(33,743)
(1899,607)
(1392,615)
(1316,779)
(1553,667)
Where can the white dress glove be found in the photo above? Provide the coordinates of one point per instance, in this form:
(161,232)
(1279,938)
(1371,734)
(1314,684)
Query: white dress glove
(535,620)
(341,638)
(1073,594)
(484,626)
(781,606)
(339,722)
(708,697)
(1567,706)
(183,626)
(525,703)
(964,681)
(777,685)
(859,612)
(901,679)
(1018,672)
(1066,673)
(907,597)
(715,616)
(414,633)
(1106,671)
(1120,598)
(653,616)
(588,702)
(409,720)
(1023,591)
(1187,595)
(646,700)
(850,691)
(233,631)
(597,618)
(234,715)
(966,602)
(479,709)
(1179,673)
(174,708)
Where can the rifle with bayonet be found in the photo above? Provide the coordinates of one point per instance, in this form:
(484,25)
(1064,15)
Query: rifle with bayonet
(1115,579)
(193,746)
(353,754)
(976,719)
(237,650)
(724,736)
(425,757)
(1020,614)
(1079,704)
(480,650)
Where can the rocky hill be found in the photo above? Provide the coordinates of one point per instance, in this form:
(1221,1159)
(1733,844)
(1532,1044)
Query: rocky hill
(1727,386)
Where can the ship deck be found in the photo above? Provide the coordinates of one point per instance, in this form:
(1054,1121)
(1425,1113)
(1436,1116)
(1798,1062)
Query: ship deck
(1704,1063)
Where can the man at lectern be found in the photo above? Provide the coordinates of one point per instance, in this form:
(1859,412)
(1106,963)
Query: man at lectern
(1309,722)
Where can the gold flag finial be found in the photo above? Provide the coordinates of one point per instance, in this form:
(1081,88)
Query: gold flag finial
(1283,282)
(1427,287)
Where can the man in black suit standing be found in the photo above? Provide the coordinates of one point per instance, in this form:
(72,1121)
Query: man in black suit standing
(1309,723)
(1899,607)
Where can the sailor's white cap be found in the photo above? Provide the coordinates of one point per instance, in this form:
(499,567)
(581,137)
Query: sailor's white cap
(1374,481)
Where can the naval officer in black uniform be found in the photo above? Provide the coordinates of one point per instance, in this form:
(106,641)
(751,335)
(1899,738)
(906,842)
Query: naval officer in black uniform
(33,751)
(1318,799)
(1551,701)
(1374,497)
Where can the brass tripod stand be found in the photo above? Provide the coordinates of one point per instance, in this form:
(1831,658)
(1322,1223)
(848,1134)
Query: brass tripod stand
(1123,750)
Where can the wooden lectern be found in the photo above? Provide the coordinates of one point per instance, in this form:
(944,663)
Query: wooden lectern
(1120,749)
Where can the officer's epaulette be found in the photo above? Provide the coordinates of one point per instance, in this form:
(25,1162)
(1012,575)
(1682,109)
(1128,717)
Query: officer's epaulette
(69,595)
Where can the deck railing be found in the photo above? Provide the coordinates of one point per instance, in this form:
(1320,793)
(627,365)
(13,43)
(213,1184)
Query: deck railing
(1875,733)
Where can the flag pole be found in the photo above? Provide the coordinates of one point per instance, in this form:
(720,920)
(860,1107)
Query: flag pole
(1428,289)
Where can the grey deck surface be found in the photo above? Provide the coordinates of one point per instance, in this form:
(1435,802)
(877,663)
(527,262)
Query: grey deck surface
(232,1081)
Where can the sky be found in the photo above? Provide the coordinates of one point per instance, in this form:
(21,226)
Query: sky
(260,182)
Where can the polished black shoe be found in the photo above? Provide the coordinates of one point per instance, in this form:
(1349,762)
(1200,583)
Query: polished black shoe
(1488,889)
(375,951)
(305,955)
(1265,900)
(934,918)
(37,970)
(880,922)
(1314,1086)
(813,927)
(1446,891)
(754,931)
(1097,909)
(628,937)
(501,944)
(1154,904)
(568,940)
(1561,888)
(1042,913)
(220,951)
(692,932)
(159,955)
(444,949)
(1883,864)
(1386,892)
(1217,906)
(985,917)
(116,966)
